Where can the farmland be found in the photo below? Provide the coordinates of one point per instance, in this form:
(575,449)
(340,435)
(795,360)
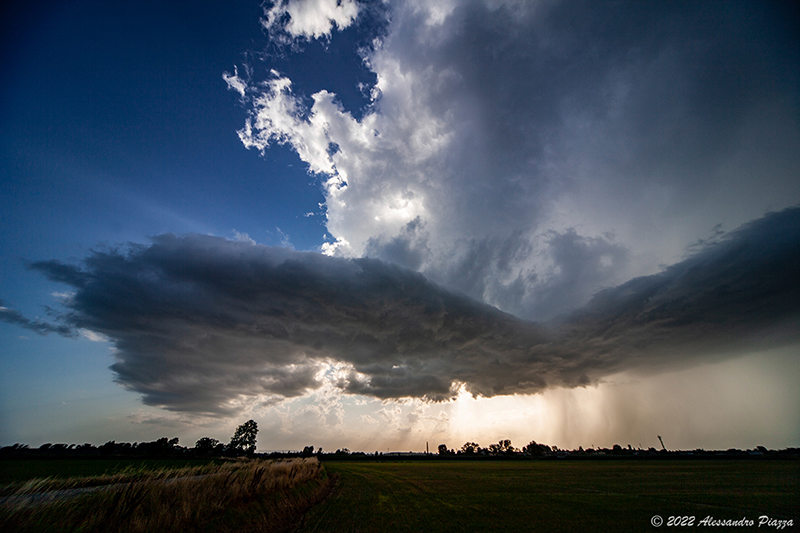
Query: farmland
(431,496)
(551,495)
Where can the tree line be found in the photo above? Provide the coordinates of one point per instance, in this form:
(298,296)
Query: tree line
(243,442)
(502,447)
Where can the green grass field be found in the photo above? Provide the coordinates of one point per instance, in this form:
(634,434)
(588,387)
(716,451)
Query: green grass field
(508,496)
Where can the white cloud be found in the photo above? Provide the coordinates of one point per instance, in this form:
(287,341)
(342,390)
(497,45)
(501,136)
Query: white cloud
(242,237)
(93,336)
(63,296)
(286,242)
(310,19)
(234,82)
(279,117)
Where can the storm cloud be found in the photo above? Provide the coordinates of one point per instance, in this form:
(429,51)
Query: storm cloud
(529,154)
(37,326)
(203,324)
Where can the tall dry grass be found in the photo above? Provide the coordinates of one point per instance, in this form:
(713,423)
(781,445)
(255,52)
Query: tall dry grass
(244,496)
(129,474)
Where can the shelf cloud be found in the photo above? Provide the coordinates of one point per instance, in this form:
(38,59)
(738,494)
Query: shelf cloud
(203,324)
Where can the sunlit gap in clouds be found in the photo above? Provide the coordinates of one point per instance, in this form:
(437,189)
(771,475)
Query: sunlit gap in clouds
(716,405)
(712,406)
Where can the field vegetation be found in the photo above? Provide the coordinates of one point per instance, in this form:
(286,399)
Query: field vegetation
(67,473)
(552,496)
(356,492)
(242,495)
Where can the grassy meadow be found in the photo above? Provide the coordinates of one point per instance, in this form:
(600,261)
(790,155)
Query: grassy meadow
(239,496)
(553,496)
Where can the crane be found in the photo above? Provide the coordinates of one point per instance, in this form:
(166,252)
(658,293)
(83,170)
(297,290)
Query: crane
(662,443)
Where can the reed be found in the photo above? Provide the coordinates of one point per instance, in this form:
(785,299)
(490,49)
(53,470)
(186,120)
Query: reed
(243,496)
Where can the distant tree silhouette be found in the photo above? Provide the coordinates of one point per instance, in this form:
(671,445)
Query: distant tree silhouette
(536,449)
(244,438)
(502,447)
(206,445)
(107,448)
(470,448)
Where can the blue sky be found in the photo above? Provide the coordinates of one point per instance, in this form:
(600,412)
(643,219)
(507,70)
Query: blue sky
(379,224)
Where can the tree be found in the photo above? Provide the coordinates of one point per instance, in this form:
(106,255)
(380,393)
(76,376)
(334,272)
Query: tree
(502,447)
(244,439)
(470,448)
(536,449)
(206,445)
(107,448)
